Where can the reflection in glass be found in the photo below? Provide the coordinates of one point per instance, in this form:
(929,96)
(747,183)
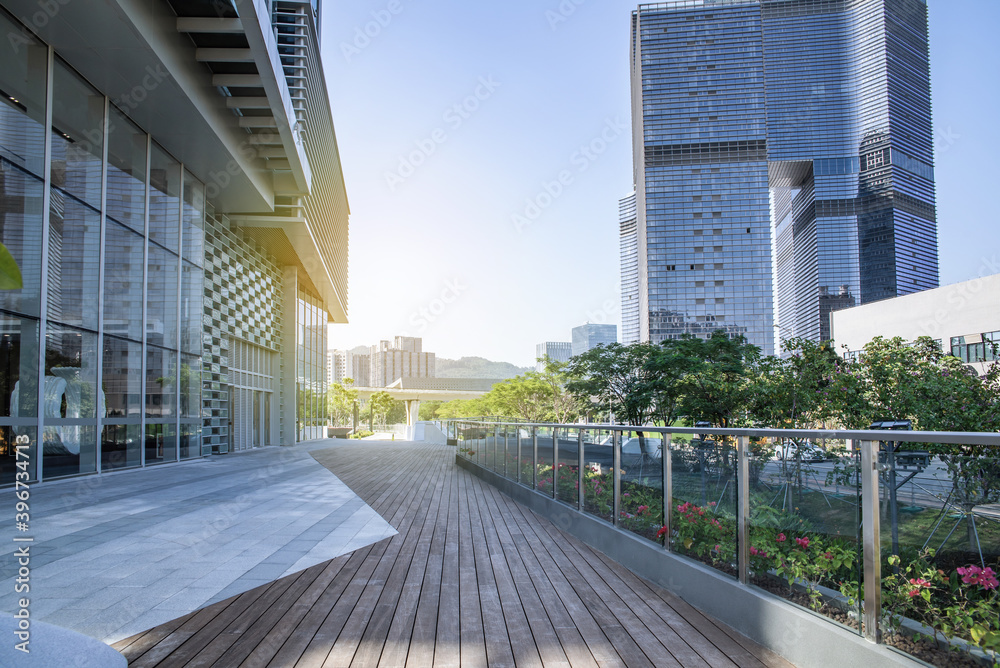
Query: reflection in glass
(77,136)
(190,441)
(190,390)
(161,443)
(126,171)
(18,389)
(74,261)
(122,282)
(193,219)
(164,199)
(122,378)
(120,447)
(71,401)
(22,100)
(192,307)
(161,298)
(161,383)
(21,233)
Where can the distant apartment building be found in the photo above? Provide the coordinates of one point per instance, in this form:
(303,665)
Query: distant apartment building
(339,365)
(629,269)
(361,370)
(557,351)
(586,337)
(403,357)
(963,318)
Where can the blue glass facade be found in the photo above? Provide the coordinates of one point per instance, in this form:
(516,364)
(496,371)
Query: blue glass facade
(783,162)
(630,269)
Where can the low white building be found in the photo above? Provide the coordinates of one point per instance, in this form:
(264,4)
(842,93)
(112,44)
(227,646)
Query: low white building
(964,318)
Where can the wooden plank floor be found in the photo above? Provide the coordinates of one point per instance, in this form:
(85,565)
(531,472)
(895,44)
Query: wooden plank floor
(472,579)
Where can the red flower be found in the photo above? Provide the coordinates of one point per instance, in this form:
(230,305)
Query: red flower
(781,538)
(828,555)
(914,592)
(919,582)
(662,532)
(641,509)
(803,542)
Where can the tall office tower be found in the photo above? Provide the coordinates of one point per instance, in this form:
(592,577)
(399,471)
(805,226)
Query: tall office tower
(592,335)
(804,121)
(557,351)
(629,244)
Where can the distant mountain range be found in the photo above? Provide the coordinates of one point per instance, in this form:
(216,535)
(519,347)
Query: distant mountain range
(477,367)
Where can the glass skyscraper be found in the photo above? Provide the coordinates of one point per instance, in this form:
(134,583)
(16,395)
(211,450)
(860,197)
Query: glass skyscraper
(630,269)
(783,162)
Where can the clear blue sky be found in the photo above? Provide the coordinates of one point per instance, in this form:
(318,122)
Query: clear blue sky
(434,187)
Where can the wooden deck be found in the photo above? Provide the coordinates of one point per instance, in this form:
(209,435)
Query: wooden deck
(472,579)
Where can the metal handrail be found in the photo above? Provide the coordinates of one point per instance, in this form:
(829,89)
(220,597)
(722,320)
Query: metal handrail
(863,442)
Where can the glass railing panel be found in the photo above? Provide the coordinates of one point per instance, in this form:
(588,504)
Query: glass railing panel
(704,503)
(641,508)
(804,520)
(544,463)
(567,473)
(598,485)
(940,543)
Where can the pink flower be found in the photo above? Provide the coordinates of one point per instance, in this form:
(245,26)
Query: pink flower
(718,548)
(919,582)
(828,555)
(781,538)
(914,592)
(711,503)
(641,509)
(985,578)
(757,553)
(625,494)
(803,542)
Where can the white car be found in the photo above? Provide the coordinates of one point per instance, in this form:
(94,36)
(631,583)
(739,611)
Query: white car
(806,451)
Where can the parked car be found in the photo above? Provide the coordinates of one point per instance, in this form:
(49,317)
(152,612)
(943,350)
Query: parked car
(805,451)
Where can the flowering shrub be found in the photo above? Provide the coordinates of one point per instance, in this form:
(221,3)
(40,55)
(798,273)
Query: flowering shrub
(963,604)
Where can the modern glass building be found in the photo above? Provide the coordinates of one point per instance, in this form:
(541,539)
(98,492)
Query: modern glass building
(629,242)
(557,351)
(171,190)
(592,335)
(783,162)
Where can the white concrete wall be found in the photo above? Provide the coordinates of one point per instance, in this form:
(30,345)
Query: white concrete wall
(971,307)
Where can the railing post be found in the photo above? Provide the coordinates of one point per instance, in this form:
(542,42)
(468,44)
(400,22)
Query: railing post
(506,449)
(667,460)
(555,462)
(872,558)
(616,476)
(743,508)
(496,437)
(579,471)
(534,458)
(518,475)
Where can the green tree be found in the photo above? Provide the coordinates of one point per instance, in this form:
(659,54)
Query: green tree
(616,378)
(10,275)
(716,387)
(428,409)
(340,399)
(893,379)
(380,403)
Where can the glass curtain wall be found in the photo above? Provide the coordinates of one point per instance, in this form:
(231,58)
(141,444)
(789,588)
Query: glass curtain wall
(101,348)
(311,382)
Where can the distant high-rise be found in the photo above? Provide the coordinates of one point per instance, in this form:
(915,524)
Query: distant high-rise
(557,351)
(629,269)
(809,119)
(586,337)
